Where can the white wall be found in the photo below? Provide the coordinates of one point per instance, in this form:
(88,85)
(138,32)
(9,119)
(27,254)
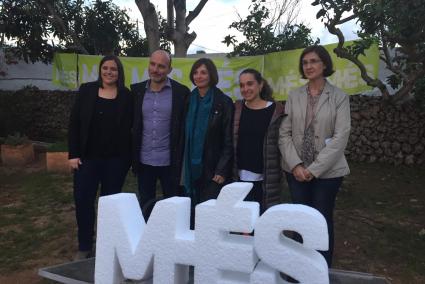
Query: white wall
(23,74)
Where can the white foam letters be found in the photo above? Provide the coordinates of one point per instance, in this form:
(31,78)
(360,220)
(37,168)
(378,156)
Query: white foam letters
(222,256)
(165,247)
(281,254)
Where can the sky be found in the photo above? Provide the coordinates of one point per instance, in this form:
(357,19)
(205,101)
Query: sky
(212,24)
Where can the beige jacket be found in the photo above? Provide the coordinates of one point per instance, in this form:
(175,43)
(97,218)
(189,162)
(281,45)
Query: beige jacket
(331,127)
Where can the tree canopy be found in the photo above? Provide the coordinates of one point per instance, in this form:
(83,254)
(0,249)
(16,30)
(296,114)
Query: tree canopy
(398,27)
(35,29)
(264,33)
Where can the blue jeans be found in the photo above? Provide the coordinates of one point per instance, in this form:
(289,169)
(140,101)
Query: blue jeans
(110,174)
(147,178)
(319,194)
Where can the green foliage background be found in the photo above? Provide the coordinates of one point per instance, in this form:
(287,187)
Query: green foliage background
(41,115)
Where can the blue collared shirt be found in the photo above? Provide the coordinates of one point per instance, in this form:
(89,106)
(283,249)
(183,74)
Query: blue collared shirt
(156,112)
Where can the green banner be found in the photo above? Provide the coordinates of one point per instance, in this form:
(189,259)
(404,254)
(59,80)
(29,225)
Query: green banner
(65,70)
(280,69)
(136,70)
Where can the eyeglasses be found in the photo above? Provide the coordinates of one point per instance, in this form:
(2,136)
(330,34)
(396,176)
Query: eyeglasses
(312,62)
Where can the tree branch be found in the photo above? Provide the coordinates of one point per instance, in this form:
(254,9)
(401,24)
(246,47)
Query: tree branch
(388,61)
(287,8)
(408,84)
(193,14)
(352,17)
(408,62)
(56,19)
(342,52)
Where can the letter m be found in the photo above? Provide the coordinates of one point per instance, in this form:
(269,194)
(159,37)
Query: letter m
(127,247)
(121,230)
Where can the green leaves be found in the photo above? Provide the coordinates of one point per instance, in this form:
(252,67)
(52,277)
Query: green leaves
(394,81)
(19,18)
(229,40)
(398,26)
(38,28)
(321,13)
(260,36)
(359,46)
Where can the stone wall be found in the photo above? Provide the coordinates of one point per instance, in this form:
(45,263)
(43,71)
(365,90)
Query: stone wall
(380,131)
(387,133)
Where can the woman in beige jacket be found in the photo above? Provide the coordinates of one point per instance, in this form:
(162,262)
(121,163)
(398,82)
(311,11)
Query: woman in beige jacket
(313,136)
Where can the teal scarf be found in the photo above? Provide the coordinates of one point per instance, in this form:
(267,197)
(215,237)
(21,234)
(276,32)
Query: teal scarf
(196,129)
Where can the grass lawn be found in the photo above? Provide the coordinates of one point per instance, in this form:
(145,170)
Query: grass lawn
(379,222)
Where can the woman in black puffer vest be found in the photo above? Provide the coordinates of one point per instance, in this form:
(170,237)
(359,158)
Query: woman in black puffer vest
(255,139)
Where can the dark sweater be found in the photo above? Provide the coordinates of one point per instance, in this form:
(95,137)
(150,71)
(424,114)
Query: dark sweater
(272,184)
(252,130)
(81,120)
(103,139)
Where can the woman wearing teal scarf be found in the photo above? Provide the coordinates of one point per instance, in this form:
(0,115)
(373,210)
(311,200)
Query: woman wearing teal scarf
(208,141)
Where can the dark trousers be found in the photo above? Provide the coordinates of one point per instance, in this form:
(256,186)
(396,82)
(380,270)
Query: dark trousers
(147,179)
(110,174)
(319,194)
(205,190)
(256,194)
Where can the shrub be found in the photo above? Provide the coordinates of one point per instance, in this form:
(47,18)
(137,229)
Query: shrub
(61,146)
(16,139)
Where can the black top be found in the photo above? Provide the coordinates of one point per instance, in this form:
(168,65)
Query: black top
(217,157)
(82,118)
(252,130)
(103,137)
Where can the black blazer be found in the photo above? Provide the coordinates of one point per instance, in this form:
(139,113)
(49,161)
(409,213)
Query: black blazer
(82,113)
(218,146)
(180,95)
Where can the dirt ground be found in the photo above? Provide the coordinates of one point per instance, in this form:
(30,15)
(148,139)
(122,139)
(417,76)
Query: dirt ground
(379,224)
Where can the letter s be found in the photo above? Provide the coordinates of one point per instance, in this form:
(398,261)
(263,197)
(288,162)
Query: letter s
(278,253)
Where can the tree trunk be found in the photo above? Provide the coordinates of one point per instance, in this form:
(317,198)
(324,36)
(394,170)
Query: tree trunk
(177,28)
(180,36)
(182,43)
(150,23)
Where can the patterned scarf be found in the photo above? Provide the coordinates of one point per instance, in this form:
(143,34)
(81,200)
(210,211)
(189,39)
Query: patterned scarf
(308,147)
(196,129)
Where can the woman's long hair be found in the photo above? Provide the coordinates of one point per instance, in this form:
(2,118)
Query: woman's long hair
(121,79)
(266,92)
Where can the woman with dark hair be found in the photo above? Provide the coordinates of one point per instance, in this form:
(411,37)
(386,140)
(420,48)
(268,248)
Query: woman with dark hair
(313,137)
(208,140)
(255,135)
(99,144)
